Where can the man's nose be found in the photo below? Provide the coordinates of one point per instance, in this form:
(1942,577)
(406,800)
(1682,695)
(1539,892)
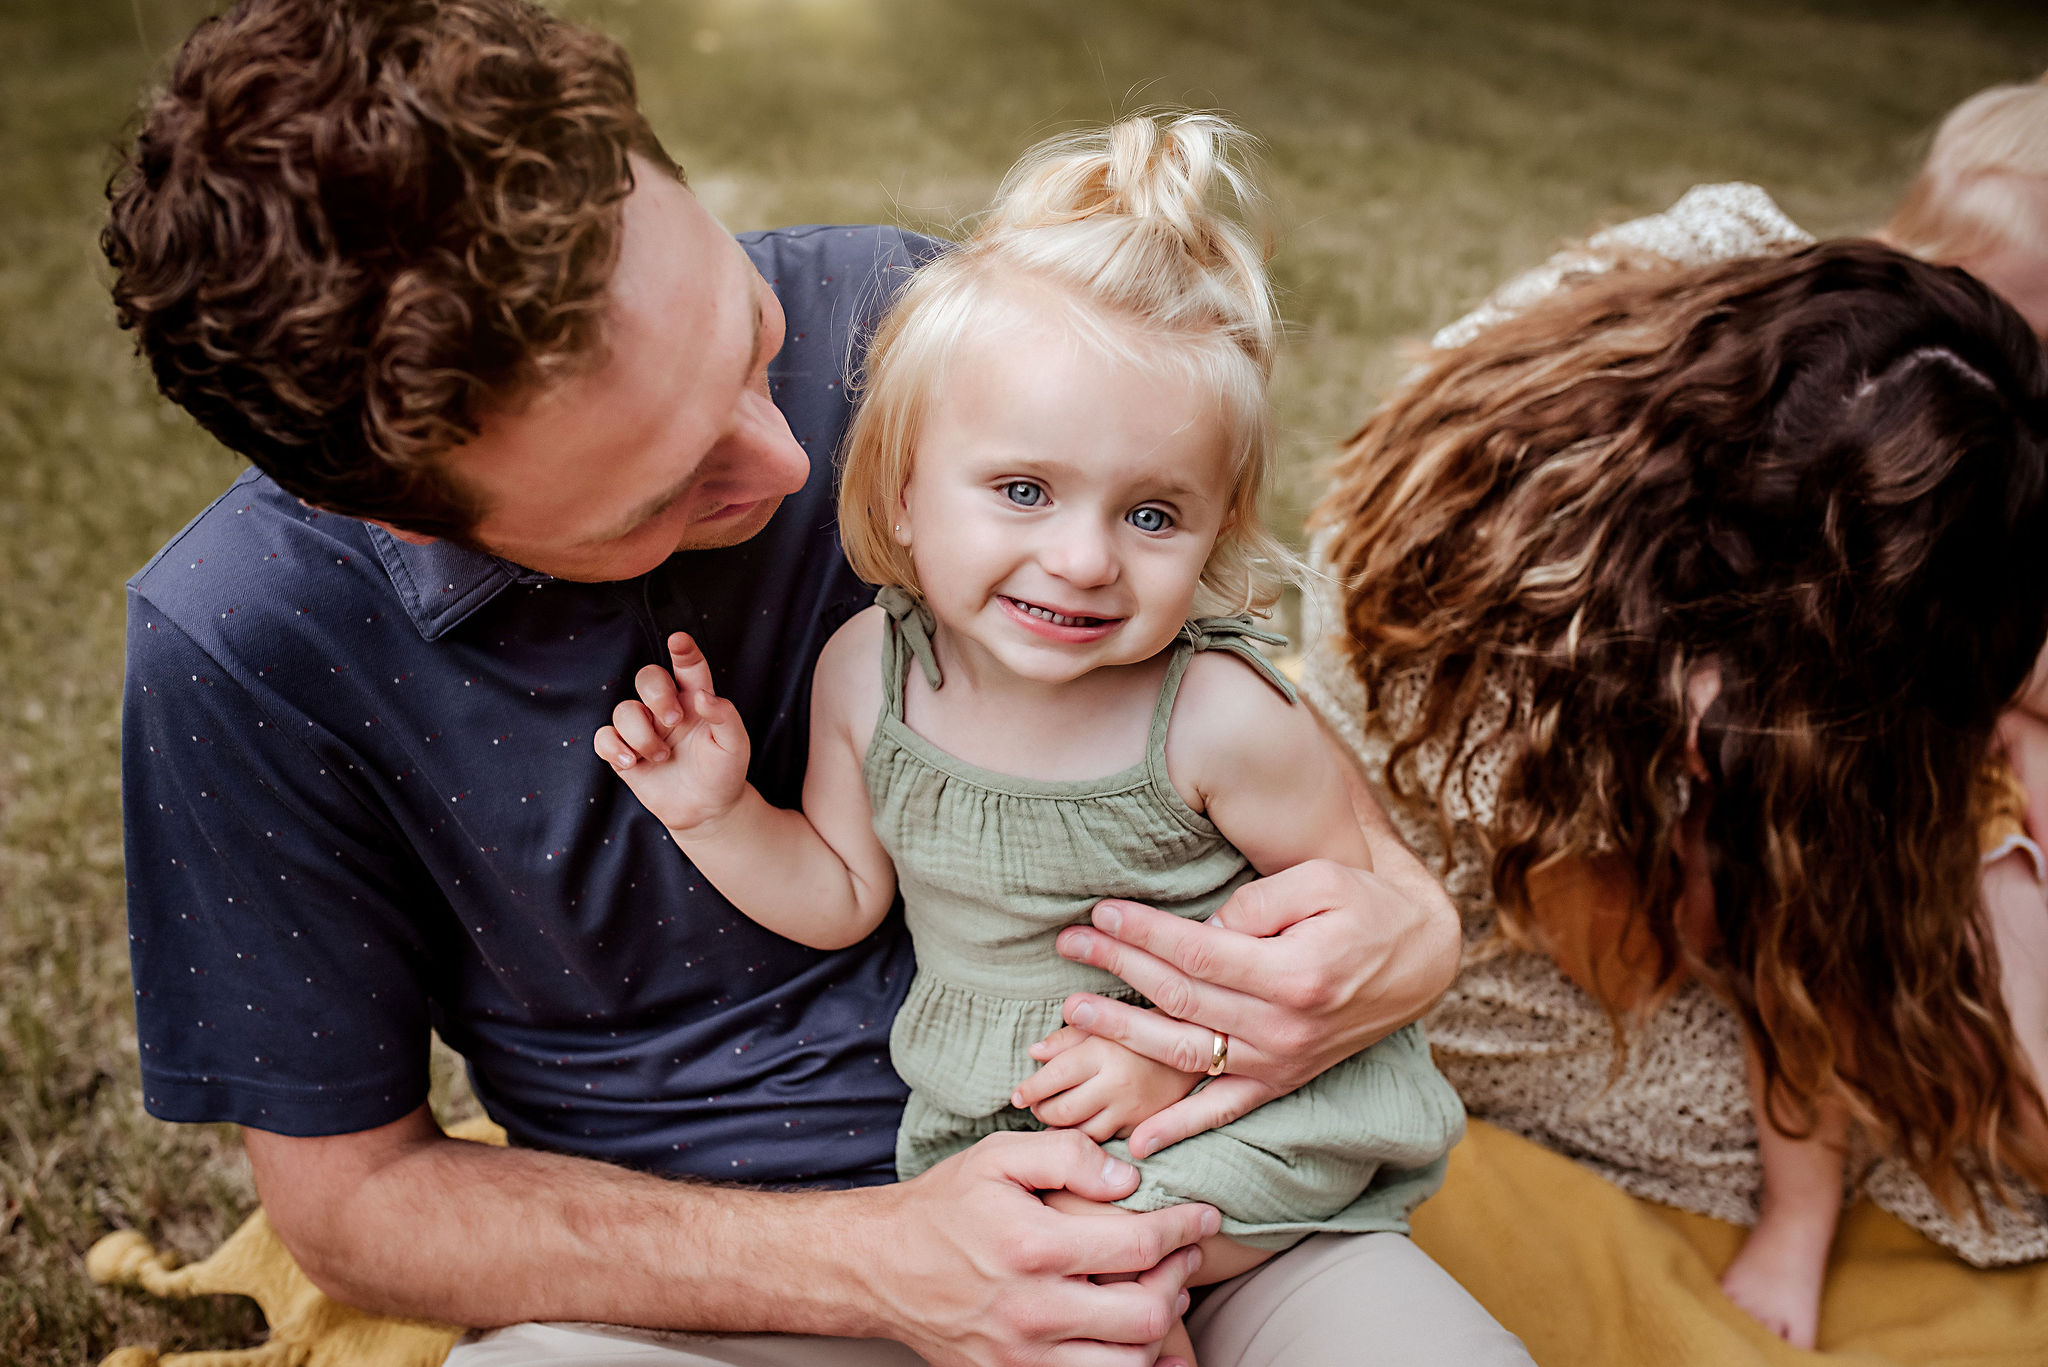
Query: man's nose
(1080,551)
(771,463)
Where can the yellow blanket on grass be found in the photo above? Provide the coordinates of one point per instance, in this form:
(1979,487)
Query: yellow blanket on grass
(1590,1276)
(1586,1274)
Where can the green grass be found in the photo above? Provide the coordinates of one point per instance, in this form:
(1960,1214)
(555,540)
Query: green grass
(1420,151)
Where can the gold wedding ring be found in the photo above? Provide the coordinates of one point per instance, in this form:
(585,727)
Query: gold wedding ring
(1219,1053)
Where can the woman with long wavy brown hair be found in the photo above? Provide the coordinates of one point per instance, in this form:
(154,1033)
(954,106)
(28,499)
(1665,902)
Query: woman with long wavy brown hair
(1675,614)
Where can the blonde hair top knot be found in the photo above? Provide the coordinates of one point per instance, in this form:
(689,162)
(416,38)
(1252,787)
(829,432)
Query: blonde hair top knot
(1156,217)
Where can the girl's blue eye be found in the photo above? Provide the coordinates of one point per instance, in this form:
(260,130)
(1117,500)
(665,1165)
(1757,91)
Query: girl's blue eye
(1149,519)
(1024,493)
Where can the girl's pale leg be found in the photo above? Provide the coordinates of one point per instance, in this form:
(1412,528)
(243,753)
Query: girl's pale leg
(2018,909)
(1778,1273)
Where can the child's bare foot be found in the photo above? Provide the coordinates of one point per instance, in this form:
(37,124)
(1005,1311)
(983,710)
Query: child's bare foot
(1777,1278)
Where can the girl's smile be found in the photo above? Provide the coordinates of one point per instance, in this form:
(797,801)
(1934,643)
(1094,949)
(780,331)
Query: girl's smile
(1058,626)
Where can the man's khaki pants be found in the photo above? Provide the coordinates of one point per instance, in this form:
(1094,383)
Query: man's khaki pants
(1360,1300)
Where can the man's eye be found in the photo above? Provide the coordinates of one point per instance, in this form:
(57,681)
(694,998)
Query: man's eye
(1024,493)
(1149,519)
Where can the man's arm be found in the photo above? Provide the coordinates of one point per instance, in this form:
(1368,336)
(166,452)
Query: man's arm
(965,1263)
(1339,958)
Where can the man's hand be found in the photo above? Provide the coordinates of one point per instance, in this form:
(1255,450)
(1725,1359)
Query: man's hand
(971,1269)
(1097,1086)
(1299,970)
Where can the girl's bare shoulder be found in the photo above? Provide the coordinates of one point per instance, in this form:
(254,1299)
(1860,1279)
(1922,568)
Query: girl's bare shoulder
(846,688)
(1230,725)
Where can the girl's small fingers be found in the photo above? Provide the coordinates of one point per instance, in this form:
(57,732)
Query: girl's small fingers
(1035,1089)
(611,749)
(692,670)
(1076,1106)
(1069,1110)
(657,688)
(712,707)
(1057,1043)
(1100,1127)
(720,721)
(1050,1080)
(636,728)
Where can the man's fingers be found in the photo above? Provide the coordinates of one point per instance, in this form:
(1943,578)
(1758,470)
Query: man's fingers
(1126,1313)
(1207,952)
(1089,1353)
(1169,989)
(1219,1103)
(1061,1160)
(1138,1242)
(1267,906)
(1181,1045)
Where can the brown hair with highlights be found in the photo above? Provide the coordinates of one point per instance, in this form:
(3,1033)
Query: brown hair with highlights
(1824,474)
(348,228)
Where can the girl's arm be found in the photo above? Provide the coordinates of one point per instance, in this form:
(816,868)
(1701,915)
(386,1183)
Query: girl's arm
(817,876)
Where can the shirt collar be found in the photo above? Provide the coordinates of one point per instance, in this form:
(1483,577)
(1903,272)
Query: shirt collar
(442,583)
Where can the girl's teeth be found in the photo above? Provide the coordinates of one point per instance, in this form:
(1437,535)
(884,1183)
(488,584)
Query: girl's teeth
(1055,618)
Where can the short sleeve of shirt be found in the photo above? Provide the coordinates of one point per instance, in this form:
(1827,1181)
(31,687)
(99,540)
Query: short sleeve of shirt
(280,981)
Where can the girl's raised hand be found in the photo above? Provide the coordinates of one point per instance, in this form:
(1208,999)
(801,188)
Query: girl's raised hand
(681,748)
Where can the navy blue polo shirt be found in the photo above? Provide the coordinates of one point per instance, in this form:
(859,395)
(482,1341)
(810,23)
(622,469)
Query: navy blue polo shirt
(361,801)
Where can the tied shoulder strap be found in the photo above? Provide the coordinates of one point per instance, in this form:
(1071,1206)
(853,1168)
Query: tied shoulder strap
(1232,635)
(1235,635)
(910,627)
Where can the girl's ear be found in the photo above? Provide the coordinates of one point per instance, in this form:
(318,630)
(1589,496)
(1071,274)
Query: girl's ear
(901,529)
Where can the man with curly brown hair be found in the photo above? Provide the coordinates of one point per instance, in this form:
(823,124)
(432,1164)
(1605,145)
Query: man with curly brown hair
(519,407)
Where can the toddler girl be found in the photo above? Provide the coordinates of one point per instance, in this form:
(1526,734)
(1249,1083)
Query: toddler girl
(1054,476)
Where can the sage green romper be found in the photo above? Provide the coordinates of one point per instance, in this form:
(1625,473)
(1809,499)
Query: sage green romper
(992,868)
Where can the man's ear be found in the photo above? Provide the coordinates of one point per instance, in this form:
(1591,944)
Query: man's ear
(409,538)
